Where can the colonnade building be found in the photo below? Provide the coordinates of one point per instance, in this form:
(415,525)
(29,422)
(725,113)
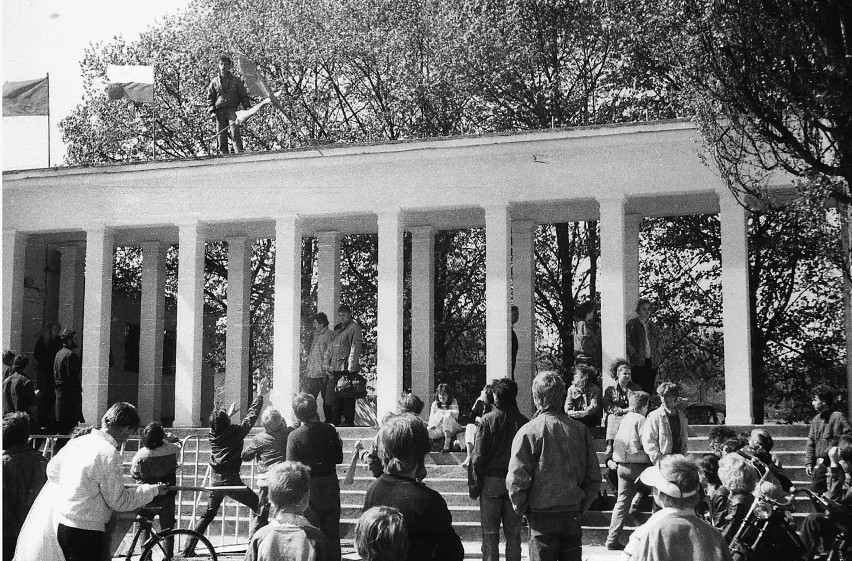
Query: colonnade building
(505,183)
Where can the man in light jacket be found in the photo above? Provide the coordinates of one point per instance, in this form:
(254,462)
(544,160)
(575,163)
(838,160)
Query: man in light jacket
(345,359)
(89,474)
(666,430)
(553,474)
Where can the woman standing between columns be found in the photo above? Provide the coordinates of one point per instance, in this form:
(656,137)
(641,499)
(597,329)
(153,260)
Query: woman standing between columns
(643,339)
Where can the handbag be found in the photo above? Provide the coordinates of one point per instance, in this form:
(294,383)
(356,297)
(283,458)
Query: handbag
(351,386)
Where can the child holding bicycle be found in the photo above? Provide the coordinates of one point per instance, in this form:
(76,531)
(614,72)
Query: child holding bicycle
(157,462)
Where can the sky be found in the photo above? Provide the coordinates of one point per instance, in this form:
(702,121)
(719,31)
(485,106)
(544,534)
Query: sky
(48,37)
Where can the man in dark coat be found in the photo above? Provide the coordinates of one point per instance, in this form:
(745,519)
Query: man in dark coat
(19,394)
(225,94)
(345,359)
(68,381)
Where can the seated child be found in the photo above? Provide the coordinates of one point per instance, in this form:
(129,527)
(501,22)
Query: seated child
(583,398)
(380,535)
(268,448)
(157,462)
(444,418)
(484,404)
(289,535)
(675,532)
(826,526)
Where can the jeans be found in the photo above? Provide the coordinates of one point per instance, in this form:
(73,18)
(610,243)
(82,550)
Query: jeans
(214,501)
(555,536)
(495,507)
(226,118)
(324,511)
(627,474)
(80,545)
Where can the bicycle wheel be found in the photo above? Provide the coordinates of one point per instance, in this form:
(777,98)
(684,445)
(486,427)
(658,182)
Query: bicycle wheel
(171,544)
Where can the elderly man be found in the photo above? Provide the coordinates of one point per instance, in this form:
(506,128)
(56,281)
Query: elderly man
(553,474)
(344,360)
(89,477)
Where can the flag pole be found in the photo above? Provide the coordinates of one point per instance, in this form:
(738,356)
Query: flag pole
(48,119)
(154,119)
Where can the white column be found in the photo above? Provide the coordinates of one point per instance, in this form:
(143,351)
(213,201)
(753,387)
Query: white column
(736,323)
(237,375)
(498,338)
(71,286)
(523,292)
(152,325)
(288,308)
(328,274)
(614,281)
(14,265)
(97,316)
(190,325)
(632,223)
(423,313)
(389,336)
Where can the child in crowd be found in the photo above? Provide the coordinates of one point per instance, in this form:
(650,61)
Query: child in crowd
(226,447)
(675,533)
(826,427)
(157,462)
(484,404)
(615,399)
(714,502)
(380,535)
(289,535)
(632,460)
(23,477)
(583,398)
(408,403)
(268,448)
(444,418)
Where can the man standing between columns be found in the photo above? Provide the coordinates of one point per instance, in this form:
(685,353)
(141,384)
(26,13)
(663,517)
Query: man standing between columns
(316,371)
(643,339)
(345,359)
(68,379)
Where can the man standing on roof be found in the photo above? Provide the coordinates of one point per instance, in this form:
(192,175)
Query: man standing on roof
(224,96)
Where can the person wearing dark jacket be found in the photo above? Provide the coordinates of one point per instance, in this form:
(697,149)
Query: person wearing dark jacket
(225,94)
(23,477)
(489,464)
(827,526)
(19,393)
(403,442)
(318,446)
(268,448)
(226,447)
(826,427)
(68,382)
(46,347)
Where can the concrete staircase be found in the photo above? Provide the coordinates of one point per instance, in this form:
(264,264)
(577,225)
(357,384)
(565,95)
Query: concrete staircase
(447,476)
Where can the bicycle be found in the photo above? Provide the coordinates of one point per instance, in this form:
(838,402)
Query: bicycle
(167,545)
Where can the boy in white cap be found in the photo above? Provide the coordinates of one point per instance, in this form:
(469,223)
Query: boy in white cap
(675,532)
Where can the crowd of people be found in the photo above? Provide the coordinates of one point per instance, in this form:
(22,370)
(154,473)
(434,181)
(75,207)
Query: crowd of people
(540,473)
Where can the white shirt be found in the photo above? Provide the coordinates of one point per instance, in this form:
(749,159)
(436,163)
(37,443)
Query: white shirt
(647,339)
(90,479)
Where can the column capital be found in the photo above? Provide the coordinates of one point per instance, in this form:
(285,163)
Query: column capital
(100,227)
(496,207)
(328,237)
(422,232)
(523,226)
(728,201)
(390,215)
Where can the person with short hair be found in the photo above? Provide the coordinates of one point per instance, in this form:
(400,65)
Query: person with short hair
(632,460)
(345,359)
(489,466)
(226,447)
(380,535)
(583,398)
(403,442)
(319,360)
(718,436)
(268,449)
(826,526)
(714,503)
(666,430)
(408,403)
(675,533)
(289,535)
(8,361)
(615,400)
(553,474)
(318,446)
(826,427)
(23,477)
(484,404)
(225,94)
(157,462)
(19,393)
(587,334)
(740,478)
(89,477)
(643,342)
(68,383)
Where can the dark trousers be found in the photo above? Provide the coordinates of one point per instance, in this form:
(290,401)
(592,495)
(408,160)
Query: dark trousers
(645,377)
(819,480)
(324,511)
(226,119)
(343,413)
(261,519)
(214,501)
(80,545)
(820,527)
(495,507)
(555,536)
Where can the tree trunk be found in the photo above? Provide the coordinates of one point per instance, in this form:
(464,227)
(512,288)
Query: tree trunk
(846,247)
(442,242)
(565,242)
(592,252)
